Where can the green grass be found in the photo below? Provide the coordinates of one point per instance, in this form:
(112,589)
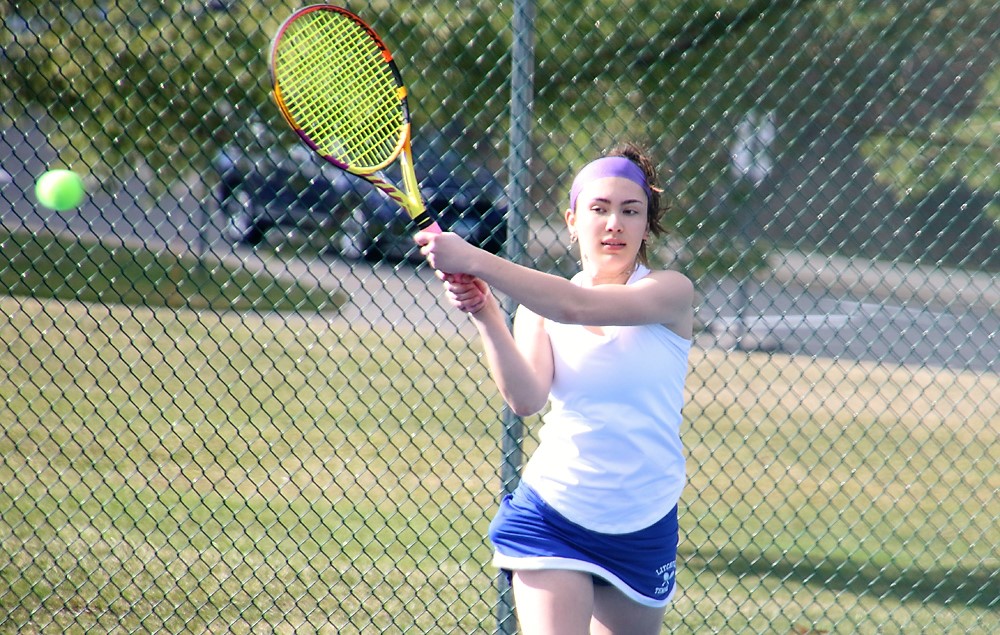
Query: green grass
(222,472)
(854,497)
(47,266)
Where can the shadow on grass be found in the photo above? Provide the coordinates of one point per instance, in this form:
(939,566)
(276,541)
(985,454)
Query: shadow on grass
(48,266)
(979,588)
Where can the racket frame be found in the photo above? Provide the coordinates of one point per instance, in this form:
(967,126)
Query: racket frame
(410,199)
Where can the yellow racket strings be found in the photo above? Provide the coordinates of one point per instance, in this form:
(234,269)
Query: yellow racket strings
(340,90)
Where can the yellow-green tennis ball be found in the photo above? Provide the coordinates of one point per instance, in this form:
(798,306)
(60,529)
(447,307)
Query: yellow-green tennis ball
(60,190)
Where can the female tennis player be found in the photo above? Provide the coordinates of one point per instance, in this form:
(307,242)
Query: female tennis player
(589,537)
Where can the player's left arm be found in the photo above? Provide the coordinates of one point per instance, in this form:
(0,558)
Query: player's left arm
(663,297)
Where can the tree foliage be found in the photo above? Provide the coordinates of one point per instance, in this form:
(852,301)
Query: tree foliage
(151,82)
(164,82)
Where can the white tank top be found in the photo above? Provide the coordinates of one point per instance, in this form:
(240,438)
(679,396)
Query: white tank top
(610,457)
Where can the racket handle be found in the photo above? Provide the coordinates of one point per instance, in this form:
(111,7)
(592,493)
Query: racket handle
(428,224)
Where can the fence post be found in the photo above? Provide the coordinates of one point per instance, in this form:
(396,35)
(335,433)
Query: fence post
(519,155)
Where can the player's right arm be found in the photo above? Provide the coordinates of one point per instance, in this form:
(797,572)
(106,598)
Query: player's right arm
(520,362)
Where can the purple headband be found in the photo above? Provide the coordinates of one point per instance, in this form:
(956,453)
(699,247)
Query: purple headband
(608,167)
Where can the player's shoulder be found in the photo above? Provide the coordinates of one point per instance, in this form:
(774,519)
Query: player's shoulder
(667,274)
(677,293)
(678,282)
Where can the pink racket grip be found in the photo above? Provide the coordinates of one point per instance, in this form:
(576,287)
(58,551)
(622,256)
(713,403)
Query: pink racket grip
(429,226)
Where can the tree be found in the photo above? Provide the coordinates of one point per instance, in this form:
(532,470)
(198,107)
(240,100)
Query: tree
(156,82)
(165,82)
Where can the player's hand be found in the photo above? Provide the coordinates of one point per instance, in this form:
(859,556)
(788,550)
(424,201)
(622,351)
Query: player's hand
(466,293)
(446,251)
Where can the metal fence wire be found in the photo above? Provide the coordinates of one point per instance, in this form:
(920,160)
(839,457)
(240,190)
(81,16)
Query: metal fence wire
(233,401)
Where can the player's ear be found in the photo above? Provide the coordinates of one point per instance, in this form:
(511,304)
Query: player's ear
(570,217)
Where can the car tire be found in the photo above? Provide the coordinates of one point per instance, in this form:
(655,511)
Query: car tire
(352,241)
(495,241)
(241,226)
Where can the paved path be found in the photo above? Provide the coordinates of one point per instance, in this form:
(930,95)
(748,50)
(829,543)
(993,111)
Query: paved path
(808,304)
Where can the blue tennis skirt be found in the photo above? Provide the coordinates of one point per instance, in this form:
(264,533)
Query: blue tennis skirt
(528,534)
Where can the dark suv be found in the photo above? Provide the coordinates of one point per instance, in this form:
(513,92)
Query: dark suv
(293,188)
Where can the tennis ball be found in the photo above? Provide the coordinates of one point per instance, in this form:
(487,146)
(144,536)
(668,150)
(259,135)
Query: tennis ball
(60,190)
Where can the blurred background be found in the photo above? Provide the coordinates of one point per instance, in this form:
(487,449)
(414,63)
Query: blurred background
(232,400)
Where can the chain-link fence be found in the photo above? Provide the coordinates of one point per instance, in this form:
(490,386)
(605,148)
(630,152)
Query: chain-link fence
(233,402)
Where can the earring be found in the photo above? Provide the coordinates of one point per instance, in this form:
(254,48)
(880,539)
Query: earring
(572,237)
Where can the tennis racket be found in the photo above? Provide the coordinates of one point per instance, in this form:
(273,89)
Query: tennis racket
(337,86)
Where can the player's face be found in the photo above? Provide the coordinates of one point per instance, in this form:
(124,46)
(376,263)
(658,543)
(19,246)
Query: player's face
(610,221)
